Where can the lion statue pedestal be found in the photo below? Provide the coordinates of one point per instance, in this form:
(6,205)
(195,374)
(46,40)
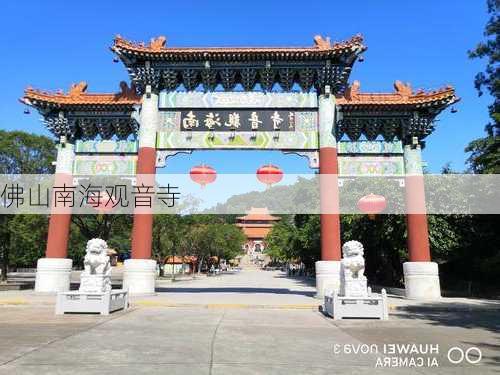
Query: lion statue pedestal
(355,299)
(95,294)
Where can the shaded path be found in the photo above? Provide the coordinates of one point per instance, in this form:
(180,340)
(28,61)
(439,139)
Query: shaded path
(250,286)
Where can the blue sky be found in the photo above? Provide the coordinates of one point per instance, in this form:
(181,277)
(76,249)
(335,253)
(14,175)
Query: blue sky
(51,44)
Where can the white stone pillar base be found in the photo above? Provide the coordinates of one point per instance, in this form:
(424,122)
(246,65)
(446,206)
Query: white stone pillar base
(139,276)
(53,275)
(422,280)
(327,277)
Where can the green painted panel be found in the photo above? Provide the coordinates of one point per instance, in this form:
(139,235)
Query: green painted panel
(371,165)
(370,147)
(237,100)
(104,165)
(106,147)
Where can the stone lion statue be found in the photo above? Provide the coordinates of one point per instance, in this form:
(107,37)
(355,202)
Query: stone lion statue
(353,261)
(352,279)
(96,261)
(96,276)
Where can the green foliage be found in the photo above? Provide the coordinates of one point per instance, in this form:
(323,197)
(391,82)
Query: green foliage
(279,241)
(384,239)
(25,153)
(28,235)
(295,238)
(485,152)
(22,237)
(203,236)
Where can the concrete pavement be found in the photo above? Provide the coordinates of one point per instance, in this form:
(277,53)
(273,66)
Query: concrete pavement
(253,322)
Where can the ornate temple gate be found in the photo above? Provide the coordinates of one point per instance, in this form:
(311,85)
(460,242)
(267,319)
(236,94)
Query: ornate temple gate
(184,99)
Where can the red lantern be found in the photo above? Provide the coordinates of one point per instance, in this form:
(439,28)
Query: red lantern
(269,174)
(372,204)
(203,174)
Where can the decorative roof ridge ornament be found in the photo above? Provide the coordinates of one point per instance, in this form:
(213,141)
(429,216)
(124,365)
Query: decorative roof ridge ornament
(322,43)
(159,43)
(78,95)
(403,94)
(118,39)
(77,89)
(355,42)
(352,92)
(128,92)
(404,90)
(357,39)
(80,89)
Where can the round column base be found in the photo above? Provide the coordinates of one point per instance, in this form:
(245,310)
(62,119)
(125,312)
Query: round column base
(422,281)
(327,277)
(53,275)
(139,276)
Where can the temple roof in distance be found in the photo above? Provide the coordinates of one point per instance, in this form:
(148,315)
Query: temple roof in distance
(256,233)
(403,95)
(158,49)
(252,225)
(77,97)
(258,214)
(189,259)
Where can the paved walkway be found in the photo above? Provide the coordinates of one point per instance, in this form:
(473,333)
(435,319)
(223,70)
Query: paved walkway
(252,322)
(250,286)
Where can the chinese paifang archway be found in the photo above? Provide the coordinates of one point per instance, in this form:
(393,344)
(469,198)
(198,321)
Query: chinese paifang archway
(304,88)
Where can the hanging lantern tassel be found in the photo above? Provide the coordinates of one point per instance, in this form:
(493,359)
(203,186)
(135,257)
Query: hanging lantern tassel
(269,174)
(372,204)
(203,175)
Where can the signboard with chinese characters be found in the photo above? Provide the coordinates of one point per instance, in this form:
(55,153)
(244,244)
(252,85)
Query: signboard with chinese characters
(238,120)
(243,120)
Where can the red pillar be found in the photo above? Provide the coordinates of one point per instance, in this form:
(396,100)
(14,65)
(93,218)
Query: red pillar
(416,220)
(142,231)
(60,216)
(328,169)
(58,236)
(416,213)
(329,195)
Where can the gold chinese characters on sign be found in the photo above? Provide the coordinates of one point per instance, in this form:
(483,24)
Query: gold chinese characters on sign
(238,120)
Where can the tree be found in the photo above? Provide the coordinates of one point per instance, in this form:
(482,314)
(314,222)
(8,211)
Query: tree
(115,229)
(23,153)
(99,225)
(478,256)
(295,239)
(485,152)
(203,236)
(229,240)
(279,241)
(28,234)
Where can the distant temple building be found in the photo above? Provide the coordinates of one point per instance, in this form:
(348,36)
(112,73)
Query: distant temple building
(256,224)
